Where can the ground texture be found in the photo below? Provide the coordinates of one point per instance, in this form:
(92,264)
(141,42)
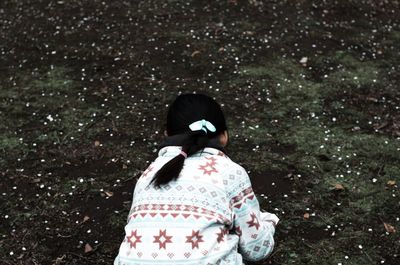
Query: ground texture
(310,89)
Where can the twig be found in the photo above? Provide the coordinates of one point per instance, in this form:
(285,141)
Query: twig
(132,177)
(308,245)
(369,258)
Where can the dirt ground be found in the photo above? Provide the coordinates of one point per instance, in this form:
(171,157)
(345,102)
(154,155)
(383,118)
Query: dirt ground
(310,90)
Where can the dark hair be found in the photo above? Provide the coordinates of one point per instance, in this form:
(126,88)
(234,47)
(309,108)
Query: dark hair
(186,109)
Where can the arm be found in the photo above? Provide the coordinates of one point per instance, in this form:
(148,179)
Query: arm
(255,228)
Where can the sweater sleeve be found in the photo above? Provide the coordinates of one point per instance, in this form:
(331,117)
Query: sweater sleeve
(254,228)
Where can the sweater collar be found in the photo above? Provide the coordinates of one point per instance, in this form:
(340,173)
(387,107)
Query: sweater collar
(172,151)
(172,146)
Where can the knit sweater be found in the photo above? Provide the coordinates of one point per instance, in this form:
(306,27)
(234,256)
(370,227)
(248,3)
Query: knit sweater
(208,215)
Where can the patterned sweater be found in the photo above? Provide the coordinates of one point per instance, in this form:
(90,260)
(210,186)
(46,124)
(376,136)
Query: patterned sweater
(209,215)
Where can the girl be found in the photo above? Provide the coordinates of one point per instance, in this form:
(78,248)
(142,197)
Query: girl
(193,205)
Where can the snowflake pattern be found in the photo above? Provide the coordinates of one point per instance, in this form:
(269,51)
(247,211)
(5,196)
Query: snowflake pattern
(195,238)
(133,239)
(162,239)
(221,234)
(209,167)
(254,221)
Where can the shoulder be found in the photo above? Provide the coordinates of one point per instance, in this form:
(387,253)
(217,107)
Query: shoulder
(233,168)
(222,159)
(235,176)
(227,166)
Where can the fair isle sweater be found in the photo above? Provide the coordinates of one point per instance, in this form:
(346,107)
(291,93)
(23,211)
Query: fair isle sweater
(209,215)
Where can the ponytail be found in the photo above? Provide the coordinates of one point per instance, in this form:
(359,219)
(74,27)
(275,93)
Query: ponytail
(203,116)
(196,141)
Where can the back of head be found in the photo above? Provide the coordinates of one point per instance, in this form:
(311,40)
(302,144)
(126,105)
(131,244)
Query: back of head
(189,108)
(200,119)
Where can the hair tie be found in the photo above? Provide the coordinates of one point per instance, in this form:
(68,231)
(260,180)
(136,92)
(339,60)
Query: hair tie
(184,154)
(202,125)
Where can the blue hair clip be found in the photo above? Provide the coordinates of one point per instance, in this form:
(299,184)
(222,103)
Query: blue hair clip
(202,125)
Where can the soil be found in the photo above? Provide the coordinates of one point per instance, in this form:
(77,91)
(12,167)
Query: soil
(85,85)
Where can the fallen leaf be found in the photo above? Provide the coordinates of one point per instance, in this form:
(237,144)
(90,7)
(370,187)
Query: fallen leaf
(59,260)
(306,216)
(389,228)
(88,248)
(124,166)
(372,99)
(96,143)
(221,49)
(195,53)
(109,193)
(380,126)
(391,182)
(85,219)
(339,186)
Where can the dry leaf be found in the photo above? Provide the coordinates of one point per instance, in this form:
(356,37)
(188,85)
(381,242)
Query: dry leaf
(88,248)
(339,186)
(221,49)
(389,228)
(96,143)
(195,53)
(59,260)
(381,126)
(124,166)
(85,219)
(391,182)
(109,193)
(306,216)
(372,99)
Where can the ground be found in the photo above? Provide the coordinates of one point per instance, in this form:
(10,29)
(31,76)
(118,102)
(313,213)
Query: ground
(310,90)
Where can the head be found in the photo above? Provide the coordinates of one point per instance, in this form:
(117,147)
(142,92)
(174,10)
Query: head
(184,112)
(189,108)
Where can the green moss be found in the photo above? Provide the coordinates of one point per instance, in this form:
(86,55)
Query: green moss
(57,79)
(277,68)
(9,142)
(178,34)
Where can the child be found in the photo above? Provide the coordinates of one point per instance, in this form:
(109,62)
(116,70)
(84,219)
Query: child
(193,205)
